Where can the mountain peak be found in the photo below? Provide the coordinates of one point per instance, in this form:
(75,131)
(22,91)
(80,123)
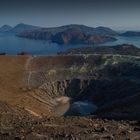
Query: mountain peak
(23,27)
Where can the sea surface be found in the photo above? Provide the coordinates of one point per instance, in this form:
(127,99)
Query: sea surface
(123,40)
(11,44)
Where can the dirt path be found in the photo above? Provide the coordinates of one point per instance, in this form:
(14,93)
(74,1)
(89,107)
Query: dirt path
(27,68)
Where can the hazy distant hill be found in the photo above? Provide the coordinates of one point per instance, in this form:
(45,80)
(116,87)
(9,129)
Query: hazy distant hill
(5,28)
(131,33)
(22,27)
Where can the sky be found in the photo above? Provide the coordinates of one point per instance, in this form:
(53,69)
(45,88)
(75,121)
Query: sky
(117,14)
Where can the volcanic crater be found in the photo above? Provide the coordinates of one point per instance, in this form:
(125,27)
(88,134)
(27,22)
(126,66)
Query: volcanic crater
(70,96)
(85,84)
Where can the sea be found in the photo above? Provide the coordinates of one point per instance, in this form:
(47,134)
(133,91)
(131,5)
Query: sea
(12,45)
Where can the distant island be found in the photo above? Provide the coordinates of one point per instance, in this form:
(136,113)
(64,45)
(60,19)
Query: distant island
(68,34)
(71,34)
(21,27)
(131,34)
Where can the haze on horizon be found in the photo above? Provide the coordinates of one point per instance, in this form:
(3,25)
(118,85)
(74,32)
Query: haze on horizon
(117,14)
